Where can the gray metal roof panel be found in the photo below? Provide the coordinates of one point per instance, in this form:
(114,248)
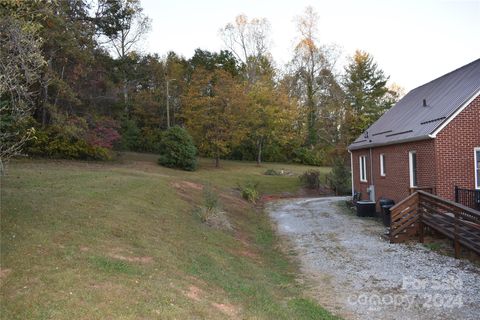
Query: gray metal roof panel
(409,119)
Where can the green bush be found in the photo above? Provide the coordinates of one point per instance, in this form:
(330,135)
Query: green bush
(250,192)
(340,178)
(177,150)
(272,172)
(312,157)
(55,142)
(311,179)
(130,136)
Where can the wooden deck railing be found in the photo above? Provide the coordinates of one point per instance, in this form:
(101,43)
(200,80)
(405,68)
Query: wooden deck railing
(422,209)
(426,189)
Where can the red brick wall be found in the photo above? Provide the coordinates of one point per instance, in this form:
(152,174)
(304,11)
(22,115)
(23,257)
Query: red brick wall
(454,147)
(443,162)
(396,183)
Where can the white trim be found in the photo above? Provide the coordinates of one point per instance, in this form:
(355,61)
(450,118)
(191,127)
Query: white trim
(374,145)
(456,113)
(382,165)
(476,172)
(363,168)
(410,167)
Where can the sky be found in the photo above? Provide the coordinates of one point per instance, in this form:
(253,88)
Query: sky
(413,41)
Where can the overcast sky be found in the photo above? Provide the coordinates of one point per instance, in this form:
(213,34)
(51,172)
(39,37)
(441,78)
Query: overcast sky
(413,41)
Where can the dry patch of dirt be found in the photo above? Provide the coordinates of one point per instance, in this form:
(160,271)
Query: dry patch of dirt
(4,273)
(194,293)
(132,259)
(187,185)
(226,308)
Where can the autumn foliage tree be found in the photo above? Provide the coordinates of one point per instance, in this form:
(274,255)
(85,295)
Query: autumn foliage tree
(214,104)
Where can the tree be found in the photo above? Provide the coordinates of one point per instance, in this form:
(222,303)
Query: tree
(121,25)
(177,150)
(308,66)
(270,117)
(213,106)
(249,41)
(20,68)
(367,94)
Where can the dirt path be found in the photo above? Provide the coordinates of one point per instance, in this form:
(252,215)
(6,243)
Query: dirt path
(357,274)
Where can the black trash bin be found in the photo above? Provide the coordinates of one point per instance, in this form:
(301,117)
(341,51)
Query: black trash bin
(386,204)
(365,208)
(386,214)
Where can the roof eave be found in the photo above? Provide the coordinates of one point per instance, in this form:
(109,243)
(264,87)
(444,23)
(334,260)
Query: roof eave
(374,145)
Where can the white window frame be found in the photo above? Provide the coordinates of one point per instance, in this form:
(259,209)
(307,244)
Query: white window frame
(476,172)
(410,167)
(363,168)
(382,165)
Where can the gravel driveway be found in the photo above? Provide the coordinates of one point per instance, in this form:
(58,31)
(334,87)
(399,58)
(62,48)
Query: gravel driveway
(357,274)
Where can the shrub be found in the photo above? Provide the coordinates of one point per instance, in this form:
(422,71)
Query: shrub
(271,172)
(312,157)
(54,142)
(311,179)
(210,198)
(177,150)
(104,134)
(130,135)
(150,141)
(339,178)
(210,212)
(250,191)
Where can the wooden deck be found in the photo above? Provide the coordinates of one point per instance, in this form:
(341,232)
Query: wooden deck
(422,209)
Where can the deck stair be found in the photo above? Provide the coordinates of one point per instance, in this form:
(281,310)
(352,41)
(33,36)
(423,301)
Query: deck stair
(411,216)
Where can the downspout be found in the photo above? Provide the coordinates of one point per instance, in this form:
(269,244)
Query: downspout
(372,198)
(371,168)
(351,172)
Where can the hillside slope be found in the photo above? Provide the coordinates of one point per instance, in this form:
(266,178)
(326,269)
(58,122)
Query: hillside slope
(86,240)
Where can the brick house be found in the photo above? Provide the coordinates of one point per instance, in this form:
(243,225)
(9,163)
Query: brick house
(430,140)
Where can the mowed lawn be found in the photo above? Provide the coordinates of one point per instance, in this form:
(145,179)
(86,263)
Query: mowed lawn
(120,240)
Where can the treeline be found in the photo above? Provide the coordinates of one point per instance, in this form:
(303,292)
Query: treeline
(75,85)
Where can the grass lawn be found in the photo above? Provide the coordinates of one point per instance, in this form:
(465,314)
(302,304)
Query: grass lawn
(84,240)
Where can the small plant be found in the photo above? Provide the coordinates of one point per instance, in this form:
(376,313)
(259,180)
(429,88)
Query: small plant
(271,172)
(210,212)
(250,191)
(311,179)
(339,178)
(210,198)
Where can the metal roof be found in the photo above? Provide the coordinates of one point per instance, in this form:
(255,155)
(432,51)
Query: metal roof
(410,120)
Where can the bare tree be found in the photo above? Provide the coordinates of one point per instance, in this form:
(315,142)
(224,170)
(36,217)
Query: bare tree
(309,66)
(21,62)
(249,40)
(122,25)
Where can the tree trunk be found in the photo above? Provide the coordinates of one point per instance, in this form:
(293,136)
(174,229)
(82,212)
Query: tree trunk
(45,101)
(125,93)
(217,162)
(259,154)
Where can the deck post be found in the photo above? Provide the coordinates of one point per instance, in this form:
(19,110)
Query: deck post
(455,237)
(420,218)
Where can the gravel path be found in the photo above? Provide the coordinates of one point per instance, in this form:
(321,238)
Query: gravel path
(357,274)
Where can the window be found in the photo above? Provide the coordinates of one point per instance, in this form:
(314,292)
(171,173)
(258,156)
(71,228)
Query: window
(412,164)
(363,168)
(382,165)
(477,168)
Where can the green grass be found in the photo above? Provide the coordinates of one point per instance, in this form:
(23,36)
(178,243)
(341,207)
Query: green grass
(119,240)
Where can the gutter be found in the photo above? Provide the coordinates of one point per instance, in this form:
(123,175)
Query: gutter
(373,145)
